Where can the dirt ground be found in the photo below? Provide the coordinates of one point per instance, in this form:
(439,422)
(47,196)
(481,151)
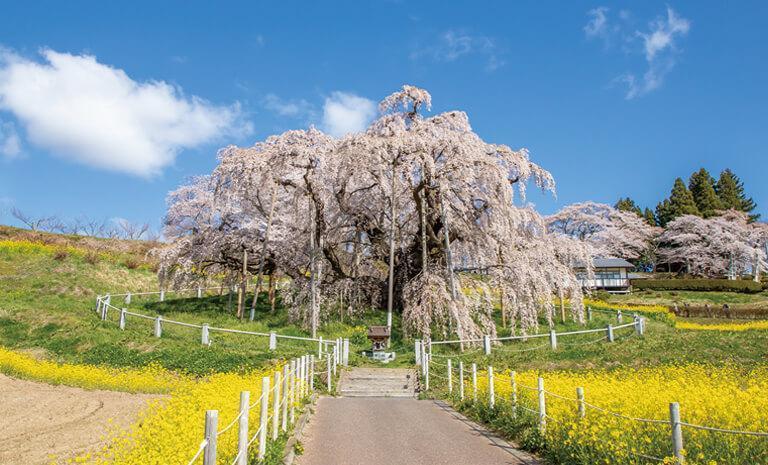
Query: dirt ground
(41,423)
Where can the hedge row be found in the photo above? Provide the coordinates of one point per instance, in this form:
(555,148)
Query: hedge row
(749,287)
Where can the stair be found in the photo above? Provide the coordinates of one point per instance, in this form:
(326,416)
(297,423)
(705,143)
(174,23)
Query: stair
(378,382)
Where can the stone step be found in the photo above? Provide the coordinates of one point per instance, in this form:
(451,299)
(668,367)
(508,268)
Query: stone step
(378,382)
(368,393)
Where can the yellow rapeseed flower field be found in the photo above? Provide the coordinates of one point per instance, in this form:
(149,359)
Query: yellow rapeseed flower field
(762,324)
(722,397)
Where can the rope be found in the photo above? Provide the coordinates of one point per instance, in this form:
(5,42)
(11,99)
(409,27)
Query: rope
(619,415)
(574,344)
(200,450)
(727,431)
(230,425)
(509,349)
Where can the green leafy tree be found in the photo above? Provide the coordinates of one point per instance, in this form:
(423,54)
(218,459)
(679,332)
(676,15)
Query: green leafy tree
(680,202)
(730,191)
(650,218)
(702,187)
(628,205)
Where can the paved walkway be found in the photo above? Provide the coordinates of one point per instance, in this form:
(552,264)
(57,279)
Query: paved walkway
(399,431)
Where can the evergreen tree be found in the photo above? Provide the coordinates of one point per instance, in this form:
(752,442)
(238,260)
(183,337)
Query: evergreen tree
(702,187)
(649,217)
(730,191)
(628,205)
(680,202)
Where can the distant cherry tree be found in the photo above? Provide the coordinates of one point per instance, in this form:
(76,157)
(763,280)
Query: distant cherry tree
(397,203)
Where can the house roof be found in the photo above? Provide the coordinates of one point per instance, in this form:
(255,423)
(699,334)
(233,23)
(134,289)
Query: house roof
(608,263)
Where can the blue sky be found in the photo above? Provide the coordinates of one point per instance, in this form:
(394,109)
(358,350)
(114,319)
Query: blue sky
(105,108)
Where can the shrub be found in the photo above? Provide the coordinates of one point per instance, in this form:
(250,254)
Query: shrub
(91,258)
(60,255)
(132,263)
(698,285)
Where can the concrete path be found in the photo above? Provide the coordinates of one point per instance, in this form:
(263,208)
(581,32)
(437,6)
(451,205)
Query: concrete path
(399,431)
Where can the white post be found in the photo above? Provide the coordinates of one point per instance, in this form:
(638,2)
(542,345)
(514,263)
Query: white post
(677,431)
(542,406)
(582,405)
(474,382)
(461,380)
(122,318)
(272,340)
(610,333)
(417,351)
(211,426)
(426,377)
(242,432)
(292,397)
(128,299)
(328,371)
(205,338)
(618,316)
(491,393)
(638,325)
(450,379)
(284,409)
(487,344)
(263,414)
(162,295)
(335,358)
(199,292)
(276,405)
(589,313)
(346,352)
(553,339)
(98,303)
(513,383)
(300,381)
(311,373)
(320,348)
(158,326)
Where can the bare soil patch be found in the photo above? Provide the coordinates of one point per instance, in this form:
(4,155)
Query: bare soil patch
(42,423)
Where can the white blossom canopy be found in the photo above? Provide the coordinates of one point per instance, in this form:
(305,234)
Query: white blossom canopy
(331,199)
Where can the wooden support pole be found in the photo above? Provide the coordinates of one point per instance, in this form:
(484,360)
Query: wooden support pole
(461,380)
(158,326)
(211,427)
(450,379)
(677,432)
(474,382)
(542,406)
(276,405)
(284,407)
(242,432)
(122,318)
(491,391)
(580,399)
(513,394)
(263,415)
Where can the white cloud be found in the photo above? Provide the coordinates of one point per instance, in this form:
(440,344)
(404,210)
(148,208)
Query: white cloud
(452,45)
(290,108)
(95,114)
(663,33)
(345,113)
(10,142)
(598,23)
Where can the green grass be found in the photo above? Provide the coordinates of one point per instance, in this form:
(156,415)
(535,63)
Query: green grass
(734,299)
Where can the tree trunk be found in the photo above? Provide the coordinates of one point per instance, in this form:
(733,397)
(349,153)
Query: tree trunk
(271,294)
(391,284)
(562,305)
(243,286)
(449,261)
(423,216)
(263,255)
(312,271)
(503,311)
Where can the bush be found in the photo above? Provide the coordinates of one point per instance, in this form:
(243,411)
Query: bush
(91,258)
(749,287)
(60,255)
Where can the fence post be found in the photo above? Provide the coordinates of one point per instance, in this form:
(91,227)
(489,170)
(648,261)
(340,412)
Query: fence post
(211,426)
(158,326)
(542,406)
(589,313)
(320,348)
(513,382)
(122,318)
(205,338)
(346,352)
(582,405)
(98,303)
(618,316)
(242,432)
(461,380)
(474,382)
(311,373)
(487,344)
(423,352)
(199,292)
(272,340)
(162,295)
(450,379)
(293,391)
(638,325)
(328,370)
(128,298)
(610,333)
(491,393)
(300,381)
(105,308)
(553,339)
(426,367)
(677,431)
(335,357)
(276,405)
(284,409)
(263,414)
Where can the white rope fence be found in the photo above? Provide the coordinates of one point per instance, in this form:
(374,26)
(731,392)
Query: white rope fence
(104,306)
(281,396)
(581,406)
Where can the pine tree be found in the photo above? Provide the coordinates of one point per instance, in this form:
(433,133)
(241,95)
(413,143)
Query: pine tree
(702,187)
(730,191)
(649,217)
(680,202)
(628,205)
